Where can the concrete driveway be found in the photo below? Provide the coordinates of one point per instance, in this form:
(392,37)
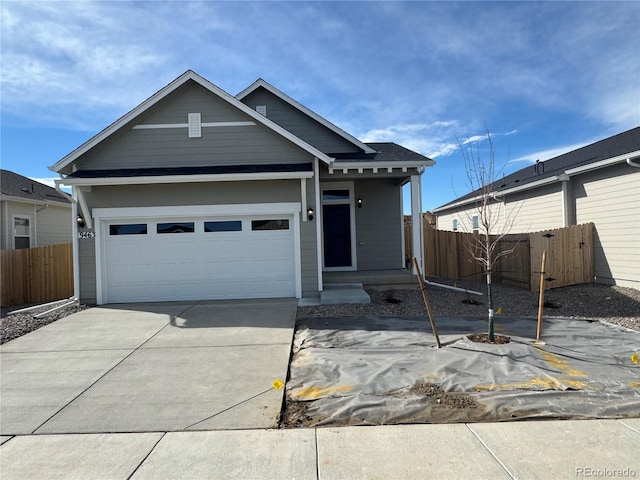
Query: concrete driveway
(148,368)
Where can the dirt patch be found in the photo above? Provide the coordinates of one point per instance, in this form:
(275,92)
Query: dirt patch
(439,396)
(484,338)
(295,415)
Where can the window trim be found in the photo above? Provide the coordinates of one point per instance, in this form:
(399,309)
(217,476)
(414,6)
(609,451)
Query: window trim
(13,229)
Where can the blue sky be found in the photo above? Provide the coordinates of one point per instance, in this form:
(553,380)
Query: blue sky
(545,77)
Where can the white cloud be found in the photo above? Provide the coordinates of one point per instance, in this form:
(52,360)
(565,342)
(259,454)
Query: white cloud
(547,154)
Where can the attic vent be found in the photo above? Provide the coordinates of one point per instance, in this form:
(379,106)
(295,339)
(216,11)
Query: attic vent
(195,125)
(539,167)
(261,109)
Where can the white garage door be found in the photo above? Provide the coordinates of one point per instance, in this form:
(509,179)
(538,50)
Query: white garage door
(187,258)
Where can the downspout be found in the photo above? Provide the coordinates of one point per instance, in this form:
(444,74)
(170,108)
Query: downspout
(74,238)
(35,221)
(567,221)
(631,163)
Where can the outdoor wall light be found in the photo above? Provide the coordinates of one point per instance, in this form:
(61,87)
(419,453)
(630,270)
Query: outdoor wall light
(359,203)
(80,221)
(310,213)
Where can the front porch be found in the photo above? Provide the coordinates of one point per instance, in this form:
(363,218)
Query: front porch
(370,277)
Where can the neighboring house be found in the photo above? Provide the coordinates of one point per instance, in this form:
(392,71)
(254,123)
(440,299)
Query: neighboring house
(32,214)
(599,183)
(197,194)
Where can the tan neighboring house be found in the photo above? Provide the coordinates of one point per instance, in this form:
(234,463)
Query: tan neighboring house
(598,183)
(32,214)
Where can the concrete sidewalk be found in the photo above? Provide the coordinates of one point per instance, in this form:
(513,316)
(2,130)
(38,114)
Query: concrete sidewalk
(516,450)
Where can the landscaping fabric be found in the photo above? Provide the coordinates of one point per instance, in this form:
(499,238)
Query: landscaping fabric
(372,370)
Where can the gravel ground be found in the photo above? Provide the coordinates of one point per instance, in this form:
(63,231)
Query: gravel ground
(609,303)
(603,302)
(15,326)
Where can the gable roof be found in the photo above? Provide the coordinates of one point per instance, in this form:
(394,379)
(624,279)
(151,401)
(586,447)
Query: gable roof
(260,83)
(18,188)
(162,93)
(611,150)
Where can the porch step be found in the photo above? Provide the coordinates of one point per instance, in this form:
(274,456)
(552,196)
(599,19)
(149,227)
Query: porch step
(335,293)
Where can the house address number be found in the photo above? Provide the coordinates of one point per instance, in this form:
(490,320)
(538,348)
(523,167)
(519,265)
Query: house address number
(86,234)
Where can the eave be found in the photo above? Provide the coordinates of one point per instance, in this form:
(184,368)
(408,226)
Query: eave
(10,198)
(164,179)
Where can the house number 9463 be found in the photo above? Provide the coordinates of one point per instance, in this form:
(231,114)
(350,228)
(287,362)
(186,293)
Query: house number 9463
(86,234)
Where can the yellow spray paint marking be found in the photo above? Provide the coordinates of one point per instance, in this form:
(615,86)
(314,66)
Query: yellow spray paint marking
(546,383)
(633,384)
(313,392)
(277,384)
(560,364)
(634,358)
(499,311)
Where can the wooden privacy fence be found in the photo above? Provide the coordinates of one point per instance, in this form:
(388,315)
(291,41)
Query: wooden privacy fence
(569,256)
(33,275)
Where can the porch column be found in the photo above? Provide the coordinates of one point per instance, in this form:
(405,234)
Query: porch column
(417,244)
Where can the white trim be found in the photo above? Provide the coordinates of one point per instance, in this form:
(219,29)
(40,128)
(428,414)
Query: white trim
(13,229)
(323,121)
(404,253)
(158,96)
(104,215)
(384,165)
(75,251)
(319,250)
(152,126)
(10,198)
(212,177)
(344,185)
(602,163)
(417,242)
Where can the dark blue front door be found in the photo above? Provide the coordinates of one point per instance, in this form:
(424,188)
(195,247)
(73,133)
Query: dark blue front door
(336,224)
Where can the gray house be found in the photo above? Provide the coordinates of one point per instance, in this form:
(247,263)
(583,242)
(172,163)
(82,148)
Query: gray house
(197,194)
(597,183)
(32,214)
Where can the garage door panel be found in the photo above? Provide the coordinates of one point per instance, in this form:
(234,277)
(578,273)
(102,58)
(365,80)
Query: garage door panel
(200,264)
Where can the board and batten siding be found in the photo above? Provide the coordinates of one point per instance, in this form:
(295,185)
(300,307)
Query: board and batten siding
(298,123)
(215,193)
(610,198)
(172,147)
(378,225)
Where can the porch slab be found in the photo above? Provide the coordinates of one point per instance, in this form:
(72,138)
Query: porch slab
(398,276)
(338,293)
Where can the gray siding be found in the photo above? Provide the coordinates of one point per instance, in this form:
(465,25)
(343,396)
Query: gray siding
(218,193)
(171,147)
(308,246)
(87,260)
(378,225)
(301,125)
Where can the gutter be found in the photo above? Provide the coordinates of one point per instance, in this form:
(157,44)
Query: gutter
(631,163)
(74,238)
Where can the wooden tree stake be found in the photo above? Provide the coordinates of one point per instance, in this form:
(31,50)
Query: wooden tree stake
(426,302)
(541,301)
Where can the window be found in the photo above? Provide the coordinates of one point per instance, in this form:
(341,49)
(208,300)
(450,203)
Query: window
(455,225)
(128,229)
(223,226)
(335,195)
(21,232)
(270,224)
(476,223)
(176,227)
